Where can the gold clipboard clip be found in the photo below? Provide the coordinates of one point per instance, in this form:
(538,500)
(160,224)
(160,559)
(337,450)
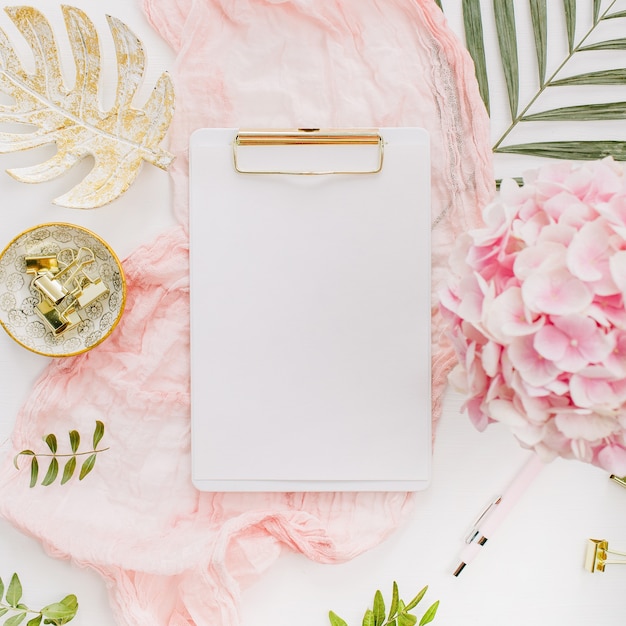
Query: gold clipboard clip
(308,137)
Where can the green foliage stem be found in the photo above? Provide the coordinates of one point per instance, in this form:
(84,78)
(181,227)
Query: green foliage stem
(399,612)
(16,612)
(72,458)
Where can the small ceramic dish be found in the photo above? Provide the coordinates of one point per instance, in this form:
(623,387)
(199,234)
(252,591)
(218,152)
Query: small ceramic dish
(62,289)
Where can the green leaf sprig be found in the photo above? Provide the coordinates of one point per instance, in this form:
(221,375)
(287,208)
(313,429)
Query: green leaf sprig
(398,615)
(72,458)
(11,606)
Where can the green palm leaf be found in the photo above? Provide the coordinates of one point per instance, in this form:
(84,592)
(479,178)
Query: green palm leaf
(612,44)
(602,77)
(596,10)
(507,41)
(578,37)
(581,113)
(473,26)
(570,22)
(538,15)
(575,150)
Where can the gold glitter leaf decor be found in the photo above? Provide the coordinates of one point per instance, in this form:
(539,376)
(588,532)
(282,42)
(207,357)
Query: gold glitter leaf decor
(119,140)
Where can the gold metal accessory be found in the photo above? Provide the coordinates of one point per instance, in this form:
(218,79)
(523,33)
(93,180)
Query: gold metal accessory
(66,291)
(62,289)
(308,137)
(90,292)
(620,480)
(41,263)
(50,289)
(57,320)
(597,555)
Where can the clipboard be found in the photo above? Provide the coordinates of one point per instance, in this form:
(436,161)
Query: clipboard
(310,310)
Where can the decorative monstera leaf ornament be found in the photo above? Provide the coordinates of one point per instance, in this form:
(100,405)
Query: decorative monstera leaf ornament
(119,139)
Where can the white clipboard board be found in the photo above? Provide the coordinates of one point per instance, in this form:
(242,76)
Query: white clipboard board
(310,310)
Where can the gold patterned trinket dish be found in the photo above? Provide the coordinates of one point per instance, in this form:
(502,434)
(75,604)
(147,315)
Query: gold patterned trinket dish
(62,289)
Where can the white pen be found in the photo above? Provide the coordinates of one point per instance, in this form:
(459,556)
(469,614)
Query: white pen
(488,522)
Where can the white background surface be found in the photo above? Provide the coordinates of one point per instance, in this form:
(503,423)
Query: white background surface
(530,572)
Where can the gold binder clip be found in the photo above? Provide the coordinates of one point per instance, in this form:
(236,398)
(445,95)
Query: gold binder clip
(55,287)
(90,292)
(596,556)
(68,274)
(41,263)
(58,321)
(66,290)
(50,288)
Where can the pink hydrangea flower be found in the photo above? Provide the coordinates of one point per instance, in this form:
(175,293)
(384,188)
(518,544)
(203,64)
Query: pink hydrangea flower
(537,316)
(573,342)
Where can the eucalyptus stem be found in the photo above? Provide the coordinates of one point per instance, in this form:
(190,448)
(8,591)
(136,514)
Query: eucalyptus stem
(553,76)
(68,454)
(54,456)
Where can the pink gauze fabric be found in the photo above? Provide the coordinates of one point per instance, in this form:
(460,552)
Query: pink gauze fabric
(169,554)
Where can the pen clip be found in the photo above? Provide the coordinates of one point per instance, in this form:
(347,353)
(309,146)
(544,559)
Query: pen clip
(475,530)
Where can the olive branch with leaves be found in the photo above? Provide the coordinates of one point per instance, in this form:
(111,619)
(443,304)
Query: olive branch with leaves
(566,74)
(72,457)
(57,613)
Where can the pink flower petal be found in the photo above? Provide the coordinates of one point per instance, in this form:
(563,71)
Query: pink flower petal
(582,450)
(551,343)
(532,367)
(490,357)
(556,293)
(507,317)
(529,434)
(614,210)
(470,299)
(477,416)
(587,255)
(505,412)
(546,256)
(608,311)
(612,458)
(592,392)
(557,233)
(565,207)
(586,337)
(529,228)
(589,426)
(617,266)
(615,361)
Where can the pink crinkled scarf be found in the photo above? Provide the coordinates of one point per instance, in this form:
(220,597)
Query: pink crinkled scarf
(169,554)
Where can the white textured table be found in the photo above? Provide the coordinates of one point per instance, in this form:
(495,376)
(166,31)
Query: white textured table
(530,573)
